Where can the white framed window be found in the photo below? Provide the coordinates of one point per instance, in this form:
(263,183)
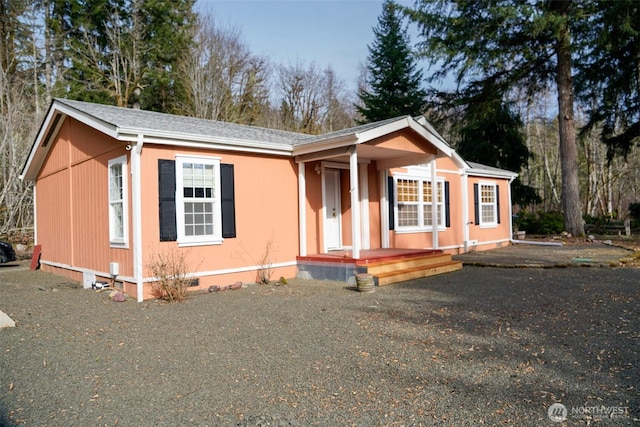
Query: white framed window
(118,197)
(488,204)
(198,202)
(414,198)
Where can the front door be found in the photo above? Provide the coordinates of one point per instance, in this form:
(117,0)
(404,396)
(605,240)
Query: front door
(332,215)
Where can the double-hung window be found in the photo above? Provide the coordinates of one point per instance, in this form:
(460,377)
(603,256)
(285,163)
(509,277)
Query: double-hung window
(428,200)
(414,202)
(118,230)
(488,205)
(198,206)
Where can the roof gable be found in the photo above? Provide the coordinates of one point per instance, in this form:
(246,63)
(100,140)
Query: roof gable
(126,125)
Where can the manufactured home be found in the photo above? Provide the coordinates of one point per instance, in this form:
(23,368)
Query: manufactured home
(116,186)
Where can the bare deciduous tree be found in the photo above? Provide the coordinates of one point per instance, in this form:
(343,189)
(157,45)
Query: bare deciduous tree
(225,81)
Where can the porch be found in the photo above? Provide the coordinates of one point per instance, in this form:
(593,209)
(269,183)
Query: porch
(387,266)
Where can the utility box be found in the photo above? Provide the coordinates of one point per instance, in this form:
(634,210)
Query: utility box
(114,269)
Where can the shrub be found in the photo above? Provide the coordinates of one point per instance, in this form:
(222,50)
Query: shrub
(540,223)
(172,275)
(634,210)
(265,269)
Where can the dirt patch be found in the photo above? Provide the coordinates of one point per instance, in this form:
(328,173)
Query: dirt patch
(554,252)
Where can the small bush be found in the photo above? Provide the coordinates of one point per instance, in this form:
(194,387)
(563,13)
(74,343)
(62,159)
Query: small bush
(634,211)
(265,270)
(172,275)
(540,223)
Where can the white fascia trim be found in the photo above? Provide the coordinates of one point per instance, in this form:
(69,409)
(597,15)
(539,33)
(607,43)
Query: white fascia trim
(217,143)
(59,109)
(87,119)
(377,132)
(325,144)
(491,174)
(44,130)
(406,122)
(462,164)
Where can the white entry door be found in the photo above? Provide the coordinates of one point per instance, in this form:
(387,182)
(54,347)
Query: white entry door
(332,217)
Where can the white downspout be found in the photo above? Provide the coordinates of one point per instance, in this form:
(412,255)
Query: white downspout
(434,204)
(138,268)
(35,215)
(355,202)
(302,211)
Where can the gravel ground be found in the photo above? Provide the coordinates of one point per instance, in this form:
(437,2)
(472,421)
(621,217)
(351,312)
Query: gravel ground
(480,346)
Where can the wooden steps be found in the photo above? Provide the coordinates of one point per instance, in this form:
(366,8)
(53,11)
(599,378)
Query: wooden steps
(399,269)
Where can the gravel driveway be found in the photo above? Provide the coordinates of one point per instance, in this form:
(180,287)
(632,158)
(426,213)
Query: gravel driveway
(480,346)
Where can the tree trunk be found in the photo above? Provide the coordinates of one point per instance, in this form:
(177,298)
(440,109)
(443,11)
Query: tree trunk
(571,208)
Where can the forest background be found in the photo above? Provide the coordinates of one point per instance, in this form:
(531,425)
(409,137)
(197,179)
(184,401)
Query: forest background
(163,55)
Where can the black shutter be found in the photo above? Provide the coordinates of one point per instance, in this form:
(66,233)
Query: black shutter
(167,196)
(476,203)
(227,193)
(498,203)
(391,202)
(447,209)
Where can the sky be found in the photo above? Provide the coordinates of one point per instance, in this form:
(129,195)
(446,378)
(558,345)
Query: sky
(327,32)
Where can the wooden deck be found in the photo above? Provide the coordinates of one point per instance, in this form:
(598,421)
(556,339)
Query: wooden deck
(387,266)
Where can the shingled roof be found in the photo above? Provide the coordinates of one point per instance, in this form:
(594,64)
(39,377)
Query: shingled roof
(142,121)
(126,124)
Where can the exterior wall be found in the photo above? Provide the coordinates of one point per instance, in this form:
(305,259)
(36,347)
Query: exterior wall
(374,207)
(72,210)
(404,140)
(313,207)
(266,209)
(490,237)
(345,204)
(452,239)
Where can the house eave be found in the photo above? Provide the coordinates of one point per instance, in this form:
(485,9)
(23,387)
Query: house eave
(491,174)
(197,141)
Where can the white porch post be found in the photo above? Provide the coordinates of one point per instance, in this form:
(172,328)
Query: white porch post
(384,209)
(364,202)
(302,211)
(355,199)
(434,203)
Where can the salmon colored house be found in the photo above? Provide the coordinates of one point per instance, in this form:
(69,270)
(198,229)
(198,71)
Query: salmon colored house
(116,186)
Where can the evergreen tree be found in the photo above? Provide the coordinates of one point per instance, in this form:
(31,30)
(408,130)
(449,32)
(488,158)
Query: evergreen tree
(608,77)
(491,133)
(393,82)
(122,52)
(512,44)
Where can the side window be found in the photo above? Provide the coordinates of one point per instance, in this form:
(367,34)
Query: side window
(414,199)
(198,200)
(487,204)
(118,212)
